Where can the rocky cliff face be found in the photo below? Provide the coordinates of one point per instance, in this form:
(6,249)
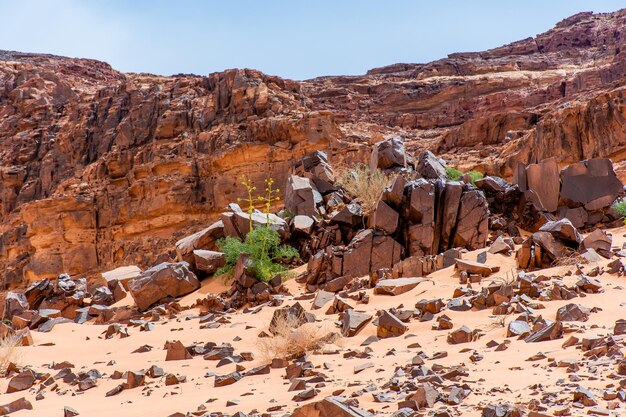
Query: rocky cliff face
(100,168)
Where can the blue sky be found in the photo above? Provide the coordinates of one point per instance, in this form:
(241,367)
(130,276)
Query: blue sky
(295,39)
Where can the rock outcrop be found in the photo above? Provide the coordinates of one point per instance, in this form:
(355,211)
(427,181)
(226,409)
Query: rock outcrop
(96,164)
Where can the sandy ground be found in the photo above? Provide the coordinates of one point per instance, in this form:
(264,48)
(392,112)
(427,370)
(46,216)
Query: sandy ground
(504,376)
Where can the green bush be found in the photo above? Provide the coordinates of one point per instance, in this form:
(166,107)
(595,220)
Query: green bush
(475,175)
(453,173)
(620,207)
(263,246)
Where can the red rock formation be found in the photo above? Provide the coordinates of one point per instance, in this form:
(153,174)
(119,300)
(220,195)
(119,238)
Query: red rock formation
(100,168)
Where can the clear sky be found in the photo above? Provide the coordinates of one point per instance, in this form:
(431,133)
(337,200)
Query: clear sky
(296,39)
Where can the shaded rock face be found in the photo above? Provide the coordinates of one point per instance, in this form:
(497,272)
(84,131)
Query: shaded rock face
(96,164)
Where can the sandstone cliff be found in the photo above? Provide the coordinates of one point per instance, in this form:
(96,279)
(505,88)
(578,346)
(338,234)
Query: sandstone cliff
(100,168)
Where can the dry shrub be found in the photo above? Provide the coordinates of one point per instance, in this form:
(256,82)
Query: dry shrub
(290,340)
(364,183)
(570,258)
(8,352)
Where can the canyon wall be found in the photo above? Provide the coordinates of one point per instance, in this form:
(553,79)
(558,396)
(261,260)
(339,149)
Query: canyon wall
(100,169)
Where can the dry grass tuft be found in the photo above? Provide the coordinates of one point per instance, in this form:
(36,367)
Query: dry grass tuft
(570,258)
(8,352)
(290,340)
(364,183)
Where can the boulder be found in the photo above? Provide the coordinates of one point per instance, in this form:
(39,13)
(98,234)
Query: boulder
(389,325)
(563,230)
(389,155)
(302,196)
(461,335)
(544,183)
(472,226)
(598,240)
(176,351)
(386,252)
(550,332)
(476,267)
(22,381)
(15,406)
(550,246)
(518,328)
(294,315)
(353,321)
(208,261)
(239,223)
(394,193)
(302,225)
(14,303)
(384,218)
(452,201)
(357,256)
(591,183)
(204,239)
(397,286)
(329,407)
(160,281)
(123,274)
(350,215)
(431,167)
(573,312)
(620,327)
(502,245)
(316,167)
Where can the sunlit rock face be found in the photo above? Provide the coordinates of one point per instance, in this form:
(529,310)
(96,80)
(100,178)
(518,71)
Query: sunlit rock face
(100,169)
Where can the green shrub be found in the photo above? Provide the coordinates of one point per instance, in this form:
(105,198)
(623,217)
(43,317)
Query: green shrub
(620,207)
(474,176)
(263,246)
(453,173)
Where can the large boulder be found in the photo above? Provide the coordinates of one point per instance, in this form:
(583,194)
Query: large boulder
(563,230)
(389,155)
(329,407)
(302,196)
(204,239)
(472,226)
(421,217)
(208,261)
(163,280)
(431,167)
(357,257)
(591,183)
(543,184)
(315,166)
(384,218)
(14,303)
(237,223)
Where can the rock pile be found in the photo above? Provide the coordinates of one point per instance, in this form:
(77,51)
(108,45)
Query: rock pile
(413,219)
(582,192)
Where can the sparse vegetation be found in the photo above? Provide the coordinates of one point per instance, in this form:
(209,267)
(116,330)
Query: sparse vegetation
(570,257)
(364,183)
(620,207)
(474,176)
(290,340)
(8,352)
(262,244)
(455,175)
